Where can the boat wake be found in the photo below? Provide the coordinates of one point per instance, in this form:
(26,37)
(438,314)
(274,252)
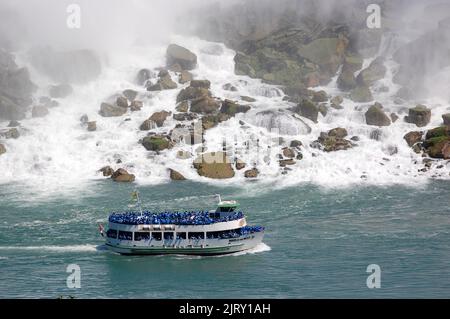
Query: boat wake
(53,248)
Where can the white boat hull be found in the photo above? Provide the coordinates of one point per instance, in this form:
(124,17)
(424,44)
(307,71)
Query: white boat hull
(203,247)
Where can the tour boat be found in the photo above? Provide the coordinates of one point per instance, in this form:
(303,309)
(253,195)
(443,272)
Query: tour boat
(220,231)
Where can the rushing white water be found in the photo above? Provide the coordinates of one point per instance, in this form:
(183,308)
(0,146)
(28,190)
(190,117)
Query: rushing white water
(56,152)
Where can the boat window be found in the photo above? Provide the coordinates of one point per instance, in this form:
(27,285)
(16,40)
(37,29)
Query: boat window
(217,215)
(111,233)
(196,235)
(156,235)
(141,236)
(181,235)
(212,234)
(125,235)
(168,235)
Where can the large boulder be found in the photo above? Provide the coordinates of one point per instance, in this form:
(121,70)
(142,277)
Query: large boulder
(2,149)
(16,88)
(374,72)
(184,77)
(204,105)
(147,125)
(346,80)
(175,175)
(192,93)
(375,116)
(156,143)
(206,84)
(412,138)
(308,109)
(60,91)
(251,173)
(106,171)
(437,142)
(419,115)
(164,82)
(279,122)
(159,117)
(121,175)
(446,118)
(332,141)
(215,165)
(176,54)
(143,76)
(361,94)
(108,110)
(231,108)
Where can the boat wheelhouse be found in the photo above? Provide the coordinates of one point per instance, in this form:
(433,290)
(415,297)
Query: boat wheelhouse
(221,231)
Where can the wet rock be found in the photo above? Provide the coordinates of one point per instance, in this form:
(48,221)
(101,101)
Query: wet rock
(374,72)
(446,119)
(204,105)
(122,101)
(376,116)
(147,125)
(240,164)
(92,126)
(183,155)
(336,102)
(323,109)
(164,82)
(231,108)
(333,142)
(13,123)
(130,94)
(184,116)
(176,176)
(376,135)
(84,119)
(353,62)
(346,80)
(251,173)
(136,106)
(281,122)
(288,152)
(229,87)
(437,142)
(286,162)
(191,93)
(338,132)
(394,117)
(320,96)
(295,144)
(184,77)
(108,110)
(143,76)
(156,143)
(248,99)
(361,94)
(413,137)
(205,84)
(60,91)
(160,117)
(182,106)
(121,175)
(106,171)
(215,165)
(308,109)
(210,121)
(10,133)
(419,115)
(176,54)
(2,149)
(39,111)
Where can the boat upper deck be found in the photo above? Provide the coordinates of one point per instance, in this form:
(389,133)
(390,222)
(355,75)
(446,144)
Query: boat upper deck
(174,218)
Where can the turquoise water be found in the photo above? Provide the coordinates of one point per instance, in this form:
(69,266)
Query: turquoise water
(320,240)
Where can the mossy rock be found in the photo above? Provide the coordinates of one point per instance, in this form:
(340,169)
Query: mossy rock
(361,94)
(156,143)
(216,165)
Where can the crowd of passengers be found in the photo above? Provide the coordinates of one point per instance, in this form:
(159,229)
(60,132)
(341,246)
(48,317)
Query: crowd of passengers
(226,234)
(178,218)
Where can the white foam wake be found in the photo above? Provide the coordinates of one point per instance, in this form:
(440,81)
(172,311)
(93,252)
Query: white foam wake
(52,248)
